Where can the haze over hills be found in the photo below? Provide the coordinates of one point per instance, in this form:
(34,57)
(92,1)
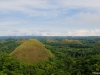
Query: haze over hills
(31,51)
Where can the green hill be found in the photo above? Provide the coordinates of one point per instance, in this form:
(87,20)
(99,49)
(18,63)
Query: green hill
(31,51)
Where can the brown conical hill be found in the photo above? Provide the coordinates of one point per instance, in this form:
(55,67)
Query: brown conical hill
(31,51)
(3,41)
(49,40)
(65,41)
(97,43)
(75,42)
(56,41)
(21,40)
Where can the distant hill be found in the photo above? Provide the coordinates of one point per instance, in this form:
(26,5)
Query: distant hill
(56,41)
(75,42)
(49,40)
(66,41)
(3,41)
(21,40)
(97,43)
(31,51)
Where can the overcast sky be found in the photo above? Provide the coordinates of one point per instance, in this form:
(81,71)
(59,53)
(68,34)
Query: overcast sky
(50,17)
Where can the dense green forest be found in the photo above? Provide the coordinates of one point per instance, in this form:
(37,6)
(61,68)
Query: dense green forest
(69,58)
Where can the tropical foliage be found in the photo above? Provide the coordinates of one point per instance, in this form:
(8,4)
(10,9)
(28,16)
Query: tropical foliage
(69,59)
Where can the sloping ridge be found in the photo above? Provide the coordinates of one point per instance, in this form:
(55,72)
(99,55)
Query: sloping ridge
(31,51)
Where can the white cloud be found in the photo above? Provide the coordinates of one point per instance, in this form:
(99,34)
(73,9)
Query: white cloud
(84,19)
(79,3)
(12,24)
(30,7)
(45,7)
(47,4)
(7,23)
(25,32)
(89,18)
(83,32)
(87,13)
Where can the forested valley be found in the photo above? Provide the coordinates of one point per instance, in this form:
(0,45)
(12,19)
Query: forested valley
(72,56)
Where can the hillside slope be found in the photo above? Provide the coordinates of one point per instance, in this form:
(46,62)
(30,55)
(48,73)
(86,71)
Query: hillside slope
(31,51)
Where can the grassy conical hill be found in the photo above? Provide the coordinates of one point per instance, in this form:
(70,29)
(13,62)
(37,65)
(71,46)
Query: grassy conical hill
(3,41)
(56,41)
(75,42)
(97,43)
(65,41)
(21,40)
(49,40)
(31,51)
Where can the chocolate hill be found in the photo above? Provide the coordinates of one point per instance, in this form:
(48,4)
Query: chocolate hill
(97,43)
(49,40)
(66,41)
(3,41)
(21,40)
(31,51)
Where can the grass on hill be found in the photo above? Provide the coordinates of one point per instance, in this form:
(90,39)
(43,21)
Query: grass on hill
(66,41)
(49,40)
(97,43)
(2,41)
(21,40)
(31,51)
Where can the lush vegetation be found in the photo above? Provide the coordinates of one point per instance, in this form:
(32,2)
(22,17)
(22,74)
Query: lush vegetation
(69,59)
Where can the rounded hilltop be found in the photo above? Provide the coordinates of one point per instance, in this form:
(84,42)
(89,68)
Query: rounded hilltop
(97,43)
(21,40)
(66,41)
(3,41)
(31,51)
